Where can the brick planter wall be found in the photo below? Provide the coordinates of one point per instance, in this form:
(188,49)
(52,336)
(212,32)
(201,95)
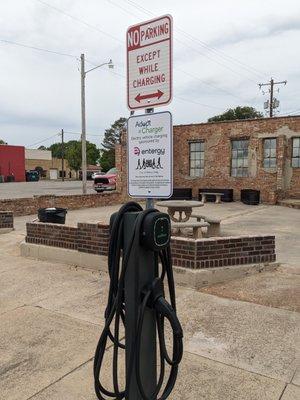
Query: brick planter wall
(188,253)
(220,252)
(87,238)
(6,220)
(93,238)
(30,205)
(52,235)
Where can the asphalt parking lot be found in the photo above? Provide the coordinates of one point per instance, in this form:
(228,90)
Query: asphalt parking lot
(28,189)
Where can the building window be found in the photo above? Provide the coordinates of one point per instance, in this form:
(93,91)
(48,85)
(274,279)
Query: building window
(296,152)
(196,159)
(270,153)
(239,157)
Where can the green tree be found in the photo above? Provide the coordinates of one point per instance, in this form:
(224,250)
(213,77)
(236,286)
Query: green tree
(73,154)
(107,159)
(2,142)
(56,148)
(43,148)
(112,136)
(92,153)
(237,113)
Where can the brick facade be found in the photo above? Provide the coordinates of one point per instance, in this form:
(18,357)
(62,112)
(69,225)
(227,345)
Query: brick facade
(276,183)
(188,253)
(6,220)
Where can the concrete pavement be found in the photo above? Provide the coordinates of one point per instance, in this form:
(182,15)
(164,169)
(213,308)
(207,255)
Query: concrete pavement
(51,316)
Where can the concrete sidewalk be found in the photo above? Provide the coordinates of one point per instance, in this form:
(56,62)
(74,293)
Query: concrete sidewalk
(51,317)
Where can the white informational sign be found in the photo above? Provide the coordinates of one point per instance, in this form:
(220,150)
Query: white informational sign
(150,155)
(149,63)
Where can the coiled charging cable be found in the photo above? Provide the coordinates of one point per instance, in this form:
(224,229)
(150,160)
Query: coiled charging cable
(151,297)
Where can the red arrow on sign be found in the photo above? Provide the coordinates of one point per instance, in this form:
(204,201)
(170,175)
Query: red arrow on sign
(140,97)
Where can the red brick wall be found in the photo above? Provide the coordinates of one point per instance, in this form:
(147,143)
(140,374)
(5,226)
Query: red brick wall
(87,238)
(27,206)
(93,238)
(188,253)
(52,235)
(218,136)
(216,252)
(6,220)
(281,182)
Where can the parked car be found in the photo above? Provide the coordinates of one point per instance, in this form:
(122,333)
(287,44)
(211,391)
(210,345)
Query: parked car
(106,181)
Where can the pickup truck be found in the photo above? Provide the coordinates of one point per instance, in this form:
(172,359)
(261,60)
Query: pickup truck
(106,181)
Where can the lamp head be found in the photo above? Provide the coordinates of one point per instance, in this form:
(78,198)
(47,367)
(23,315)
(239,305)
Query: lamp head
(110,64)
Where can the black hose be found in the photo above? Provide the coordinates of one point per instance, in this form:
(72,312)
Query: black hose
(153,297)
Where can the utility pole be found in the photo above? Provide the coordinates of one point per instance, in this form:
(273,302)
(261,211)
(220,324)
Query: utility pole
(83,125)
(83,73)
(62,156)
(272,83)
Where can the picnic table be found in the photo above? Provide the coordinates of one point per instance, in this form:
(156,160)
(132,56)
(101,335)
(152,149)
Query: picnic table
(184,208)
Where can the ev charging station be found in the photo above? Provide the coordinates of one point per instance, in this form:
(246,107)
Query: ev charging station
(139,260)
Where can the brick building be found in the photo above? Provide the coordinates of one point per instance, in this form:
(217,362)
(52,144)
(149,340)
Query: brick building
(12,162)
(262,154)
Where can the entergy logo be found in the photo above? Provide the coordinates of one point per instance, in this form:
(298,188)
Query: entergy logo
(136,151)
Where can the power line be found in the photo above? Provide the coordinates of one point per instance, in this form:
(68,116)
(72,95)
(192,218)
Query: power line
(290,113)
(44,140)
(38,48)
(79,133)
(219,53)
(209,84)
(195,102)
(105,33)
(225,66)
(81,21)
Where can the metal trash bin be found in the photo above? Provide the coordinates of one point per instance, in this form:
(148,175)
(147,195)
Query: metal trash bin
(54,215)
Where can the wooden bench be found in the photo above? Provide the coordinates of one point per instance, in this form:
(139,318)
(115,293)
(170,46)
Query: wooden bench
(218,196)
(214,228)
(196,226)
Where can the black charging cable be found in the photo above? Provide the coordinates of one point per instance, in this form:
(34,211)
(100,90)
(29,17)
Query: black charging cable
(151,297)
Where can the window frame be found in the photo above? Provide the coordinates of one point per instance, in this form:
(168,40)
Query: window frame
(269,157)
(200,158)
(292,152)
(238,149)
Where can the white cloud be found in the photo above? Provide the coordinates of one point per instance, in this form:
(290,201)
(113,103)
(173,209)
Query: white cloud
(40,92)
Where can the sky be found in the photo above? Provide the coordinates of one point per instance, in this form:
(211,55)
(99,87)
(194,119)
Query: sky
(222,50)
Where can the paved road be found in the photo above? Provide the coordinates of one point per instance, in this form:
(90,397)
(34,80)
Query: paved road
(28,189)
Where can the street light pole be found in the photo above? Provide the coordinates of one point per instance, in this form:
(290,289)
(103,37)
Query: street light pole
(83,73)
(83,125)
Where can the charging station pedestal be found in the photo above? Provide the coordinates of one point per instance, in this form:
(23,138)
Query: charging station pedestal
(141,271)
(137,297)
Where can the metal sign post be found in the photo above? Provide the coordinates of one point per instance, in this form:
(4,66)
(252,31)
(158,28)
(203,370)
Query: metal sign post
(150,174)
